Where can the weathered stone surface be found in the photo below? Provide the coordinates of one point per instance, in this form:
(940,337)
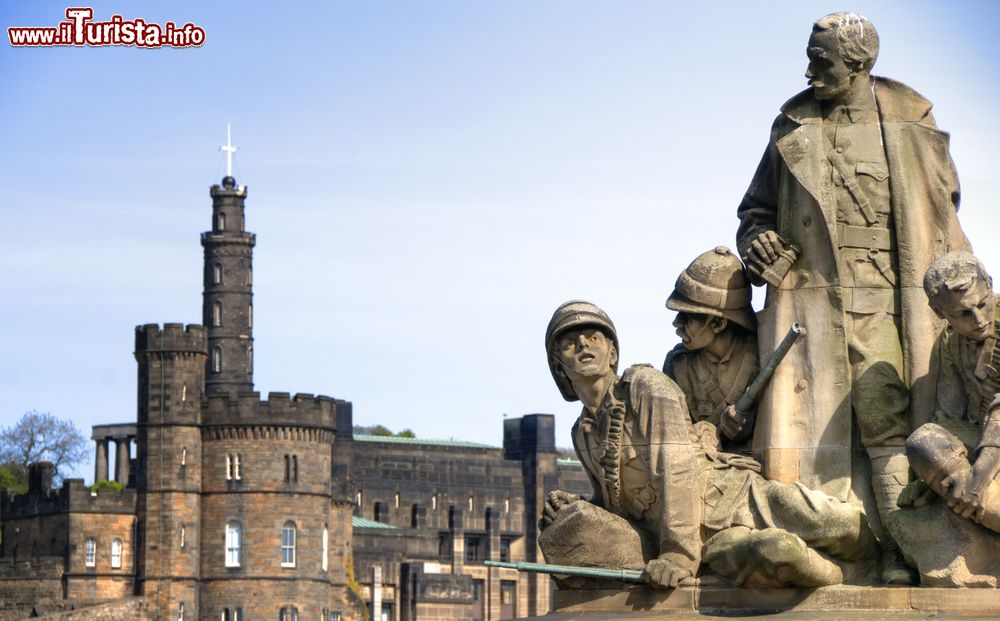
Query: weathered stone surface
(947,549)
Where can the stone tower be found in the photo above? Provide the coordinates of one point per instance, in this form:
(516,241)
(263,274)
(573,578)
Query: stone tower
(227,306)
(171,365)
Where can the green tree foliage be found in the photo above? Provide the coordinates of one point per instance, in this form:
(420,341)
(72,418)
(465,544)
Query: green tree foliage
(382,430)
(12,476)
(40,436)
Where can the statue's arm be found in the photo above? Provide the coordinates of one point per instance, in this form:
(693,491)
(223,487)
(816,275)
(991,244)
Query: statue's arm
(952,399)
(759,209)
(675,474)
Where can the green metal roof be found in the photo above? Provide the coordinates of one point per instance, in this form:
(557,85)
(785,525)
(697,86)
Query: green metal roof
(358,522)
(568,462)
(426,442)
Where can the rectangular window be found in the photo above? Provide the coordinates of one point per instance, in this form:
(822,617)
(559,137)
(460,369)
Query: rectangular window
(474,549)
(234,543)
(334,616)
(90,553)
(183,532)
(229,467)
(237,469)
(288,545)
(116,554)
(324,562)
(444,545)
(504,550)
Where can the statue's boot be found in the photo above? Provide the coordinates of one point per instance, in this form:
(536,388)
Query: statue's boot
(936,454)
(890,474)
(771,557)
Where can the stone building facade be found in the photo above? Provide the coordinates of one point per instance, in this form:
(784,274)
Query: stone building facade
(238,508)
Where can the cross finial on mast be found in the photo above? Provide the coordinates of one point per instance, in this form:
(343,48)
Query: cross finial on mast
(229,149)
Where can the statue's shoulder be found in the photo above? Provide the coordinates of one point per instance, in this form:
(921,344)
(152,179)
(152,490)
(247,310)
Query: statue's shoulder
(644,379)
(675,357)
(898,102)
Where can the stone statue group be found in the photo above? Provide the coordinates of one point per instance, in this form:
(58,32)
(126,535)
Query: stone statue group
(872,454)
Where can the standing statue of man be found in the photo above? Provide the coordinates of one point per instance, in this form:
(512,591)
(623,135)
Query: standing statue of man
(858,182)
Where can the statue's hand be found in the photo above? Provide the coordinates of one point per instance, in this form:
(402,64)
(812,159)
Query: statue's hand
(664,574)
(916,494)
(555,501)
(964,496)
(764,251)
(732,422)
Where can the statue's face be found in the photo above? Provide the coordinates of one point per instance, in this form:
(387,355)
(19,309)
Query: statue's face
(695,331)
(971,312)
(586,352)
(827,72)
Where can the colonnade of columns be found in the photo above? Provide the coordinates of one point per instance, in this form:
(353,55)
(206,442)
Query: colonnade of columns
(102,461)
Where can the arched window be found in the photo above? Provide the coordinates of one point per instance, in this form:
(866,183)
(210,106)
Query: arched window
(434,502)
(184,393)
(184,455)
(217,273)
(217,360)
(116,554)
(288,544)
(472,502)
(217,313)
(234,544)
(289,613)
(325,563)
(396,500)
(250,359)
(180,612)
(222,221)
(183,532)
(90,550)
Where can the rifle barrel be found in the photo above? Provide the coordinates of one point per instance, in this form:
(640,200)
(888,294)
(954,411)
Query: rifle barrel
(624,575)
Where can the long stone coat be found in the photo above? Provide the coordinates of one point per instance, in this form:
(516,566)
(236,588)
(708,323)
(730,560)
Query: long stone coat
(804,417)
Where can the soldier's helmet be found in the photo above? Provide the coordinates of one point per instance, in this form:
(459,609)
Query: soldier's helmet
(573,315)
(715,284)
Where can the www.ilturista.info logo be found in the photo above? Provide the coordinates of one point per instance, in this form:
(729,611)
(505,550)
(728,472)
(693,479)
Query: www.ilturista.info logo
(79,29)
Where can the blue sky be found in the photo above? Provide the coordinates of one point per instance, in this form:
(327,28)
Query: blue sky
(427,180)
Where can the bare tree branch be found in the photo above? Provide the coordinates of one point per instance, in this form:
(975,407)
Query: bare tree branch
(40,436)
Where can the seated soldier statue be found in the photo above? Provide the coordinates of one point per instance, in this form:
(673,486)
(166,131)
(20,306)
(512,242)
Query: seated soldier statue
(717,357)
(966,419)
(654,483)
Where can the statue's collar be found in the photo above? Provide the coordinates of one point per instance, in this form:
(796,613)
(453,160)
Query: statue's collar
(896,103)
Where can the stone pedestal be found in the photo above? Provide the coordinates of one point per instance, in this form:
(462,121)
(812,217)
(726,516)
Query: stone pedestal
(835,602)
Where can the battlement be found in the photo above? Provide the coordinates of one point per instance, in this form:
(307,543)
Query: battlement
(225,191)
(173,337)
(74,496)
(302,409)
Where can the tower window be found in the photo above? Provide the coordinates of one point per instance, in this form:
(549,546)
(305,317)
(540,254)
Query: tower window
(249,275)
(250,359)
(288,544)
(116,554)
(180,612)
(250,316)
(217,313)
(234,544)
(90,551)
(183,532)
(184,393)
(506,505)
(217,273)
(357,499)
(234,470)
(217,360)
(472,502)
(222,221)
(434,502)
(289,613)
(184,456)
(324,561)
(396,500)
(295,468)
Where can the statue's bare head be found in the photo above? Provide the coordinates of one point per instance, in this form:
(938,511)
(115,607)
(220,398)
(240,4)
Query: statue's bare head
(960,290)
(843,47)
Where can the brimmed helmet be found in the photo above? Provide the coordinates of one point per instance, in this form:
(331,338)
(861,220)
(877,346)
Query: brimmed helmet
(715,284)
(572,315)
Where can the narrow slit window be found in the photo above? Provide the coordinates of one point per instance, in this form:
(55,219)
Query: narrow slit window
(217,273)
(217,314)
(217,360)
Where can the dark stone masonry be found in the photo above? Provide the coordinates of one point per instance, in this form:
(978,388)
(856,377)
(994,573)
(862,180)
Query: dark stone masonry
(241,508)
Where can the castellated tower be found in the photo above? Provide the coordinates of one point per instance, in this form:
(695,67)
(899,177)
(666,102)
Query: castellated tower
(227,306)
(171,383)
